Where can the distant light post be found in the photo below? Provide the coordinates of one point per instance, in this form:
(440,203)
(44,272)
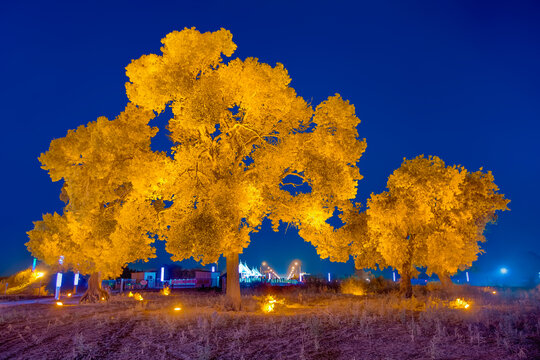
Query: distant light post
(75,283)
(34,265)
(467,275)
(58,280)
(58,286)
(394,276)
(329,279)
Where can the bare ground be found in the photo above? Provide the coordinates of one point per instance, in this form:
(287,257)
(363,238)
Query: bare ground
(306,326)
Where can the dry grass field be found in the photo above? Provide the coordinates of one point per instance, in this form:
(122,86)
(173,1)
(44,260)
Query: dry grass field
(307,325)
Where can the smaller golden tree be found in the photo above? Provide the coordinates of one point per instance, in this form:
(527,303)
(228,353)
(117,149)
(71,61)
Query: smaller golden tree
(109,215)
(432,216)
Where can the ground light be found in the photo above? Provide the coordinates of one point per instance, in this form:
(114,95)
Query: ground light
(59,303)
(460,304)
(178,308)
(270,303)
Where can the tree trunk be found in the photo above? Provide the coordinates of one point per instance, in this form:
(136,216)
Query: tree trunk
(94,293)
(405,286)
(233,282)
(445,280)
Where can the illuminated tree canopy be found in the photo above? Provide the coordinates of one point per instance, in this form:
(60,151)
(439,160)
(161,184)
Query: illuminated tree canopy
(242,139)
(108,169)
(432,216)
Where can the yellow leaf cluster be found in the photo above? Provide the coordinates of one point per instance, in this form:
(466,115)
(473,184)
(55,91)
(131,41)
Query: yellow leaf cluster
(109,213)
(432,216)
(239,132)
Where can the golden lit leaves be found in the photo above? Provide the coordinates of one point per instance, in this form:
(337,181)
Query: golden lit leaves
(428,217)
(109,214)
(238,131)
(156,80)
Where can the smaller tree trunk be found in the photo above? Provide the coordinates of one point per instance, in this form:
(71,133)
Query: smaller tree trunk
(94,293)
(405,286)
(233,282)
(445,280)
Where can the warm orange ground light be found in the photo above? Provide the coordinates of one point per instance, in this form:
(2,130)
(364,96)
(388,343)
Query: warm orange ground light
(69,294)
(177,308)
(59,303)
(270,303)
(130,294)
(459,304)
(166,291)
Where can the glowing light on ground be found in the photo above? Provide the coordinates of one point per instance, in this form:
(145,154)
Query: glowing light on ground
(59,303)
(460,304)
(352,288)
(270,303)
(69,294)
(22,281)
(166,291)
(178,308)
(138,296)
(130,294)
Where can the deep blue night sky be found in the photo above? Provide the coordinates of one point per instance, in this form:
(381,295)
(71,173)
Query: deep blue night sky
(456,79)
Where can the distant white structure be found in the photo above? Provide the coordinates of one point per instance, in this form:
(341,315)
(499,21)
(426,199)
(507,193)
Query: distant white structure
(246,272)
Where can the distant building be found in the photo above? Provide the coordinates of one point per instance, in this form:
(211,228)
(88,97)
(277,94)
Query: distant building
(197,278)
(146,278)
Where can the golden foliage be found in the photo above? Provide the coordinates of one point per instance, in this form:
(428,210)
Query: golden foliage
(109,212)
(240,133)
(432,216)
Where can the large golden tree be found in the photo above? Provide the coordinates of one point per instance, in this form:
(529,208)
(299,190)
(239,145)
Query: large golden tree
(432,216)
(242,139)
(109,176)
